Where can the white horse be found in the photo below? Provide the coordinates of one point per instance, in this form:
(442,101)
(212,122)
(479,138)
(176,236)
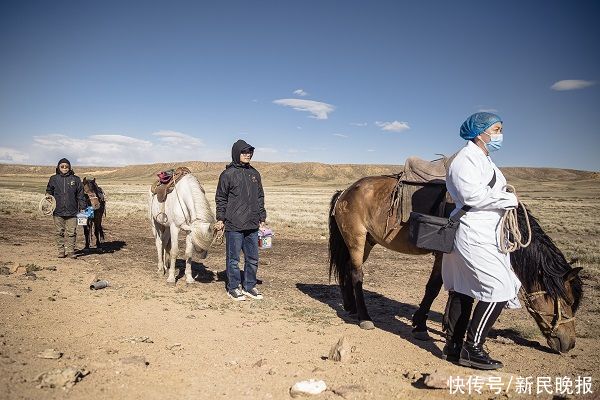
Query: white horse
(187,209)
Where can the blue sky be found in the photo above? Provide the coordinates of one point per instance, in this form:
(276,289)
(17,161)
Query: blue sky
(114,83)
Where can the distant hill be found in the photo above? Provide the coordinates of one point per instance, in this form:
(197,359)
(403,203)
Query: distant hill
(285,173)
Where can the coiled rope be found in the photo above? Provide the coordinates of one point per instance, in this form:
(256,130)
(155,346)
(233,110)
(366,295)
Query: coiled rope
(511,238)
(47,205)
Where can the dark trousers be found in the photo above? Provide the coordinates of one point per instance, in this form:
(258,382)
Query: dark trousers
(247,242)
(458,313)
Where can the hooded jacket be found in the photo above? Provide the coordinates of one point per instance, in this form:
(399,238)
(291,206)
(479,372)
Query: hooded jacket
(67,190)
(240,197)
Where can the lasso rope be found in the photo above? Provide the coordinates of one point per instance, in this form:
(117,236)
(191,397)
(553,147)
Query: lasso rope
(47,205)
(510,235)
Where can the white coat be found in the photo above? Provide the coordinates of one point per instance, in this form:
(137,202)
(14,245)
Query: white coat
(476,267)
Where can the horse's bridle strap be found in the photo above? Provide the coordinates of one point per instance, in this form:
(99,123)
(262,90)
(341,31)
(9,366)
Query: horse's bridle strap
(557,318)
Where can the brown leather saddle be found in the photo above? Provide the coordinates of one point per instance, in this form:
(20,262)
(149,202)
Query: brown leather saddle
(166,182)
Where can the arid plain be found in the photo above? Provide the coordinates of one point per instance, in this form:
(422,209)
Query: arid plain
(140,338)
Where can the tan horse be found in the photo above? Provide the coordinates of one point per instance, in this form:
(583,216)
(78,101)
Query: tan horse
(358,219)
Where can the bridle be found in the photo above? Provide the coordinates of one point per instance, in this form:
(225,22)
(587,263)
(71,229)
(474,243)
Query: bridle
(92,196)
(546,327)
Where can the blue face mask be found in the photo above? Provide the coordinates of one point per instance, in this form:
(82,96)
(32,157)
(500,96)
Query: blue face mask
(495,142)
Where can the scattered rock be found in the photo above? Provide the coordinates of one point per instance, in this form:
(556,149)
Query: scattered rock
(310,387)
(436,380)
(341,350)
(503,340)
(347,391)
(137,339)
(413,375)
(31,275)
(174,346)
(51,268)
(232,363)
(50,354)
(260,363)
(191,316)
(135,360)
(272,371)
(18,269)
(4,270)
(61,378)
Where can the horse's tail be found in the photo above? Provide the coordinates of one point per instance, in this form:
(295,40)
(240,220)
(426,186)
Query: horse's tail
(339,256)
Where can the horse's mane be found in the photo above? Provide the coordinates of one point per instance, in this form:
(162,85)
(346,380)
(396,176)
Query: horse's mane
(203,212)
(201,204)
(543,264)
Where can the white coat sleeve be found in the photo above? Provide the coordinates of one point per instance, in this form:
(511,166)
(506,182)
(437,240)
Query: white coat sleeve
(473,191)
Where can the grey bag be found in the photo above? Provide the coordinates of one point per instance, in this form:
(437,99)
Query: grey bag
(433,233)
(436,233)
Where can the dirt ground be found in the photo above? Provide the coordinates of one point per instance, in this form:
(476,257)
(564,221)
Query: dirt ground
(143,339)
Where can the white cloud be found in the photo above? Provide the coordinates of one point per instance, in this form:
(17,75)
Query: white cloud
(115,150)
(266,150)
(370,150)
(12,156)
(178,139)
(300,92)
(358,123)
(296,151)
(571,84)
(395,126)
(318,109)
(340,135)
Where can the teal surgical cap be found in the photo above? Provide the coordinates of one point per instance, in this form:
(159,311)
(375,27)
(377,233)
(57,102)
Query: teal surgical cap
(477,123)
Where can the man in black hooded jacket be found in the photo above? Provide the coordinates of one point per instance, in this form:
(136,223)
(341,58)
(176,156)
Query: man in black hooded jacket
(241,211)
(67,189)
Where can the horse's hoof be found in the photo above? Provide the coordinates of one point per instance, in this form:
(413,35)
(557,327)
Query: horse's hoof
(171,281)
(368,325)
(190,282)
(421,335)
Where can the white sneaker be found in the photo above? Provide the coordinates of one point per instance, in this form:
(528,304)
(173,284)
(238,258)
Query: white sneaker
(236,294)
(253,294)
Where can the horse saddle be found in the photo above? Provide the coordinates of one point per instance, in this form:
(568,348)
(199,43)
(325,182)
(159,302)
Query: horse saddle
(166,182)
(417,170)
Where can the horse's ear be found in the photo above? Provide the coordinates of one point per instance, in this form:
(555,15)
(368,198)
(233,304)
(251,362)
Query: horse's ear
(572,274)
(94,180)
(84,179)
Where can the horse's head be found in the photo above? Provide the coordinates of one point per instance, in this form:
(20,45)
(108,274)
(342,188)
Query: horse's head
(553,289)
(90,188)
(202,235)
(555,315)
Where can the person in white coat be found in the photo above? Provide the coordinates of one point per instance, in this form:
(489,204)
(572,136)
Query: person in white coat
(476,269)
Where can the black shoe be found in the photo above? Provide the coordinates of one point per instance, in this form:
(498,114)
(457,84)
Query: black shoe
(451,351)
(475,357)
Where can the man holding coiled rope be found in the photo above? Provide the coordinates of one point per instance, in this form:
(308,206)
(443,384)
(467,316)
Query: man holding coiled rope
(67,190)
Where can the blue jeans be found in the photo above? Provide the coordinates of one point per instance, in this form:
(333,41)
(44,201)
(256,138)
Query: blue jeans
(246,241)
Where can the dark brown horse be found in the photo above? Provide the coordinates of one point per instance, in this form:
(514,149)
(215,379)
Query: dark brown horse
(358,219)
(95,198)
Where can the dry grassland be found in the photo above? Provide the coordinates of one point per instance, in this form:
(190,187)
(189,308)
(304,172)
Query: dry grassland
(567,210)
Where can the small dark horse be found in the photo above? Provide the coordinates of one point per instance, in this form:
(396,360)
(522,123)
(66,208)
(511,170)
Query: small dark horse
(95,198)
(357,222)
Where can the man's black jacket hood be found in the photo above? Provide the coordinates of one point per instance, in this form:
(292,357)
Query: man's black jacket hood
(236,150)
(64,161)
